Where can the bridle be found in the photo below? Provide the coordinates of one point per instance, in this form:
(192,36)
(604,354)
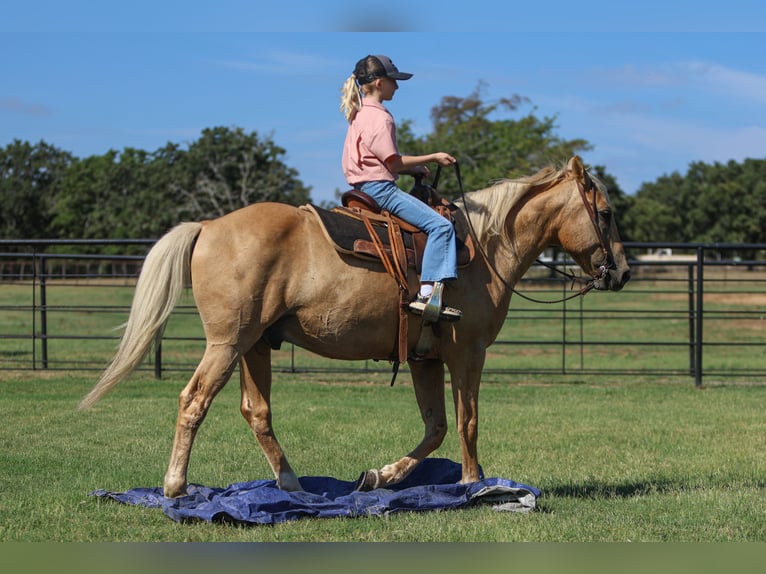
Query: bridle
(608,262)
(590,208)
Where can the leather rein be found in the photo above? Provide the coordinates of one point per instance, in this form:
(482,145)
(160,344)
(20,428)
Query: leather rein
(590,208)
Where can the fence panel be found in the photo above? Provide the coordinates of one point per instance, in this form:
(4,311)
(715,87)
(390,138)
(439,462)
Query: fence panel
(698,314)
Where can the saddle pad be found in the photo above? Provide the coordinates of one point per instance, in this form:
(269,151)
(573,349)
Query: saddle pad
(344,231)
(350,236)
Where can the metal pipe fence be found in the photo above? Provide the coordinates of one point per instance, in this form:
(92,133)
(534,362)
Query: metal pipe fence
(691,310)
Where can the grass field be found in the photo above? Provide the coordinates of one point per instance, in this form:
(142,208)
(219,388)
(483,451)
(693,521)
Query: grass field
(618,457)
(616,460)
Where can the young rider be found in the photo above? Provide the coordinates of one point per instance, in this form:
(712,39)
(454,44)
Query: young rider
(372,163)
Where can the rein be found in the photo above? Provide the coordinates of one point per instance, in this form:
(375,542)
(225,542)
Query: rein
(592,214)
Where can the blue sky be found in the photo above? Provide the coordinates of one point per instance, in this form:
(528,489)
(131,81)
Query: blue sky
(652,88)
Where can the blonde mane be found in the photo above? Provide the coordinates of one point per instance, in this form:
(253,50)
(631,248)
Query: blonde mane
(489,207)
(493,204)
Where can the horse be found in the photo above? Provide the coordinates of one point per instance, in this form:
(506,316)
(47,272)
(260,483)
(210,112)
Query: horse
(266,274)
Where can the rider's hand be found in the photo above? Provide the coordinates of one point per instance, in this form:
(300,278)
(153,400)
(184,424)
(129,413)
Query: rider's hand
(444,159)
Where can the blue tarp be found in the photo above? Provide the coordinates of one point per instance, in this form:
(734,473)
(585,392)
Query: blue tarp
(433,485)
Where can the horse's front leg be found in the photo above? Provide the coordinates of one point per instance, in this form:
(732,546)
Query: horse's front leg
(255,383)
(465,376)
(428,380)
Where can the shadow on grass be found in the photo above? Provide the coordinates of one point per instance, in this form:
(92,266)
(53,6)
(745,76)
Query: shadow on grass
(598,489)
(15,353)
(603,490)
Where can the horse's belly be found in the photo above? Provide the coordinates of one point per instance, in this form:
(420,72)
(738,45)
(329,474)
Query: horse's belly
(340,334)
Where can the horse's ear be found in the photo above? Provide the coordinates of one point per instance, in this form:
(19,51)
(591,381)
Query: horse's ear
(576,168)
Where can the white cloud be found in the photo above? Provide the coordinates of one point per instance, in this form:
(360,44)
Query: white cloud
(629,76)
(696,140)
(280,62)
(22,107)
(688,75)
(641,149)
(737,84)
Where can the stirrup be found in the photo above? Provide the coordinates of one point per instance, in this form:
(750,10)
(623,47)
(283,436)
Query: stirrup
(433,308)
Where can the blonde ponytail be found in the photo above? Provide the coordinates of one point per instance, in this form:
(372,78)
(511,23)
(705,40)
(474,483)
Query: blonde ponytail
(350,98)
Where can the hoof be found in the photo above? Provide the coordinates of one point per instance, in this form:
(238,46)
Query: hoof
(289,483)
(172,488)
(369,480)
(167,493)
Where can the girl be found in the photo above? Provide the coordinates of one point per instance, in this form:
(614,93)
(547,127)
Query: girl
(372,163)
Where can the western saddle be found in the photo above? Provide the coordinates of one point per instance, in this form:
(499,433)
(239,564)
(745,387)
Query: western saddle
(360,227)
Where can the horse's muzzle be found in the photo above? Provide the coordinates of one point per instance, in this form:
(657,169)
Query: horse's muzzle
(613,280)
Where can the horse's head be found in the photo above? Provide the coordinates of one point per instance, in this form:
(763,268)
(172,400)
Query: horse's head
(589,233)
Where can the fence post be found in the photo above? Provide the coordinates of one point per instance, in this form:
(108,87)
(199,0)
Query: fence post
(158,356)
(692,321)
(581,303)
(43,313)
(564,330)
(698,338)
(35,273)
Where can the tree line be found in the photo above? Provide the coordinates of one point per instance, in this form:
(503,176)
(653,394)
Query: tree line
(46,192)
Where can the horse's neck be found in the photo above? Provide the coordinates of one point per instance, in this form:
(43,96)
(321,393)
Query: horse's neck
(530,233)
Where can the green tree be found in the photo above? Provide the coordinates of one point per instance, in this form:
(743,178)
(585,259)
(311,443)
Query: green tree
(712,203)
(487,142)
(655,214)
(29,178)
(226,169)
(728,203)
(138,194)
(116,195)
(621,202)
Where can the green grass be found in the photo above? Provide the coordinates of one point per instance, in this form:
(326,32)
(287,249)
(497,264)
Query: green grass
(616,459)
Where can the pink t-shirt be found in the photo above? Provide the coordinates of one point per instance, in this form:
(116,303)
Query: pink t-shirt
(370,141)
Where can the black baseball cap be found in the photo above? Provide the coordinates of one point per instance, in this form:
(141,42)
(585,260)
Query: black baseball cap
(389,71)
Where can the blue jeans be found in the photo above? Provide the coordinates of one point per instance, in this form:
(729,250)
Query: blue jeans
(440,257)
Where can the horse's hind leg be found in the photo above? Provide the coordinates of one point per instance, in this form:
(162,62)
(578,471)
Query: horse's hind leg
(255,381)
(210,376)
(428,379)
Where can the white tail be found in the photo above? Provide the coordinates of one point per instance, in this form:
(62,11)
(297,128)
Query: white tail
(164,274)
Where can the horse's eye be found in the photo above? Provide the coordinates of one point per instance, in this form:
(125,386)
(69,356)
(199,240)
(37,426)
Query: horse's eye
(605,215)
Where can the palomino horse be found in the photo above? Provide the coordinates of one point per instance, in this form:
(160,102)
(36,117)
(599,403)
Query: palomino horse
(266,274)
